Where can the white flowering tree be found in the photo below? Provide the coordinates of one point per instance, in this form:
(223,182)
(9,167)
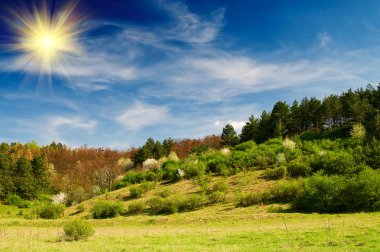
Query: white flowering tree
(289,144)
(358,131)
(59,198)
(151,164)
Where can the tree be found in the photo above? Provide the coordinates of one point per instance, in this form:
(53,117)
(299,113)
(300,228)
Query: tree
(279,119)
(229,136)
(315,113)
(250,129)
(158,150)
(264,127)
(295,119)
(24,180)
(6,175)
(168,145)
(39,166)
(333,111)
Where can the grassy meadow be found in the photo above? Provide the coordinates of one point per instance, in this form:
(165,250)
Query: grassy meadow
(220,227)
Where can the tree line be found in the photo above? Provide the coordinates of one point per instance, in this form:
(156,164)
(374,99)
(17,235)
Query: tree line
(331,117)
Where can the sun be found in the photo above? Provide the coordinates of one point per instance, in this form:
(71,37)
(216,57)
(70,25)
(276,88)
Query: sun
(47,39)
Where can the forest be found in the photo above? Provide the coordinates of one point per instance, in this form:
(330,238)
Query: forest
(326,154)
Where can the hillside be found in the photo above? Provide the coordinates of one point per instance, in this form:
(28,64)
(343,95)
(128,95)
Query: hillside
(221,226)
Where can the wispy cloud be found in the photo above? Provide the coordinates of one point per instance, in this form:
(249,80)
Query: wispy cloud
(140,115)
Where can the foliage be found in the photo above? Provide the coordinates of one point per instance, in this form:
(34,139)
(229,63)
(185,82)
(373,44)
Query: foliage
(136,207)
(106,209)
(51,211)
(137,191)
(78,230)
(358,131)
(229,136)
(275,173)
(15,200)
(331,194)
(245,200)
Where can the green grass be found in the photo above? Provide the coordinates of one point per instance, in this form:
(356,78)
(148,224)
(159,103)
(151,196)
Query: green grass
(221,227)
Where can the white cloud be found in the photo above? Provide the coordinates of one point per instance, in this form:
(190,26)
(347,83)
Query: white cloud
(238,125)
(141,115)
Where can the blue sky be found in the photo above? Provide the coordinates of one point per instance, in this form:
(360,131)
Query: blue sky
(184,69)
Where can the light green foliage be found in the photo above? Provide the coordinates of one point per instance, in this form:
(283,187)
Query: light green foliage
(358,131)
(51,211)
(107,209)
(15,200)
(136,207)
(275,173)
(78,230)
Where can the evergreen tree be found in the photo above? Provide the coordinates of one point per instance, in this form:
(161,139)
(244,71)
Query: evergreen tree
(6,175)
(229,136)
(24,181)
(168,145)
(279,119)
(158,150)
(39,166)
(250,130)
(264,127)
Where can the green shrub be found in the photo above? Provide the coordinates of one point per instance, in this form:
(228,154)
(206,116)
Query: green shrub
(78,230)
(297,168)
(333,194)
(169,170)
(164,193)
(245,200)
(137,191)
(51,211)
(174,204)
(220,186)
(193,168)
(216,197)
(158,205)
(245,146)
(106,209)
(285,191)
(15,200)
(136,207)
(275,173)
(189,203)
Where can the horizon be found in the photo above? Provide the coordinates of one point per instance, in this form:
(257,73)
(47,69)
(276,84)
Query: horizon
(183,69)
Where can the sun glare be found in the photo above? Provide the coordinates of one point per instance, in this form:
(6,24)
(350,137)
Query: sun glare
(46,39)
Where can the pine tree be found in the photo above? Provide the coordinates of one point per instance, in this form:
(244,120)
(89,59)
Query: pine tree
(24,180)
(250,130)
(229,136)
(41,176)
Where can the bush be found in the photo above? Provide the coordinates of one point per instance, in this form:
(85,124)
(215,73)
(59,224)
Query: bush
(106,209)
(276,173)
(78,230)
(193,168)
(216,197)
(297,168)
(137,191)
(51,211)
(158,205)
(169,170)
(164,193)
(15,200)
(220,186)
(136,207)
(245,200)
(286,191)
(333,194)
